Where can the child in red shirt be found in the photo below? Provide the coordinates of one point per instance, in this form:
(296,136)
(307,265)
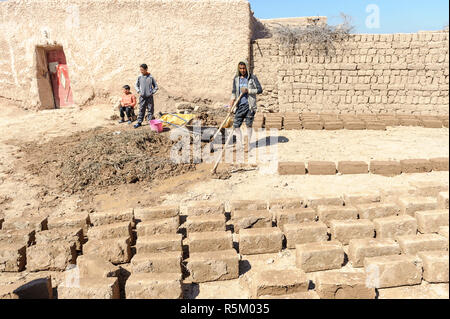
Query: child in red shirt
(127,105)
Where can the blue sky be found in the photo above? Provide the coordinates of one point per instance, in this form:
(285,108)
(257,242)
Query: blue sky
(395,16)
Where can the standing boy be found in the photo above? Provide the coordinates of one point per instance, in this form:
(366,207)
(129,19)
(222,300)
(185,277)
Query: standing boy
(145,86)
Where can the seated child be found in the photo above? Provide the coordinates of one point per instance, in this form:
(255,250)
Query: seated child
(127,105)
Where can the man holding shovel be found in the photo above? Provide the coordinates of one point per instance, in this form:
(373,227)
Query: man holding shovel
(146,87)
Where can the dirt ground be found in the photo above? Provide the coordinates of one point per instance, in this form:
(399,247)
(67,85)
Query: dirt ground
(23,193)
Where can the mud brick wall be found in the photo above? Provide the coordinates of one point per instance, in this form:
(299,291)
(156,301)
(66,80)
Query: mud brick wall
(368,73)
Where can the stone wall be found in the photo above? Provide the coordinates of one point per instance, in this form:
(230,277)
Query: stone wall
(368,73)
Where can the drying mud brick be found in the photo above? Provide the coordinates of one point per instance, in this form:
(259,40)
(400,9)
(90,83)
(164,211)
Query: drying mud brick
(260,241)
(409,205)
(413,244)
(353,167)
(205,208)
(359,249)
(213,266)
(393,226)
(158,226)
(319,256)
(72,235)
(376,125)
(435,266)
(168,262)
(343,285)
(117,230)
(312,125)
(159,243)
(362,198)
(410,122)
(294,216)
(291,168)
(51,256)
(106,218)
(393,271)
(154,286)
(428,188)
(90,288)
(116,250)
(12,257)
(345,230)
(303,233)
(244,219)
(21,223)
(439,164)
(333,126)
(205,223)
(376,210)
(354,125)
(432,123)
(385,168)
(37,288)
(416,166)
(443,200)
(430,221)
(314,201)
(286,203)
(236,205)
(92,266)
(391,194)
(321,168)
(443,231)
(295,296)
(210,241)
(158,212)
(329,213)
(278,283)
(24,236)
(391,121)
(73,221)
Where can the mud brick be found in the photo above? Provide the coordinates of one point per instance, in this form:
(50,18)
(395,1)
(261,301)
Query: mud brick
(93,266)
(278,283)
(154,286)
(155,213)
(359,249)
(385,168)
(292,126)
(412,244)
(51,256)
(291,168)
(333,126)
(205,208)
(443,200)
(314,201)
(435,266)
(312,125)
(428,188)
(210,241)
(416,166)
(12,257)
(432,123)
(311,294)
(353,167)
(205,223)
(167,262)
(329,213)
(294,216)
(439,163)
(106,218)
(36,288)
(445,123)
(90,288)
(345,230)
(213,266)
(159,243)
(391,121)
(260,241)
(286,203)
(21,223)
(158,226)
(24,236)
(303,233)
(376,125)
(380,270)
(245,219)
(319,256)
(366,197)
(354,125)
(430,221)
(411,204)
(116,230)
(72,235)
(376,210)
(73,221)
(343,285)
(321,168)
(393,226)
(410,122)
(443,231)
(116,250)
(236,205)
(391,194)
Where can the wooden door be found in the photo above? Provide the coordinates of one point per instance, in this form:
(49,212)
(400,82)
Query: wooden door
(59,74)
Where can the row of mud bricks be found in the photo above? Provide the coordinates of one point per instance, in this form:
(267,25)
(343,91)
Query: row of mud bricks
(321,121)
(152,252)
(385,168)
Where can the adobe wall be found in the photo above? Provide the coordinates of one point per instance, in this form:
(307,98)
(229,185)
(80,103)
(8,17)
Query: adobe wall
(191,46)
(368,73)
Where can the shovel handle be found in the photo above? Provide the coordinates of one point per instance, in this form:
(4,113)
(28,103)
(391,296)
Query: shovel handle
(228,116)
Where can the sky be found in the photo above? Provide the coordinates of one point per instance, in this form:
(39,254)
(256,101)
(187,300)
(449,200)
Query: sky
(387,16)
